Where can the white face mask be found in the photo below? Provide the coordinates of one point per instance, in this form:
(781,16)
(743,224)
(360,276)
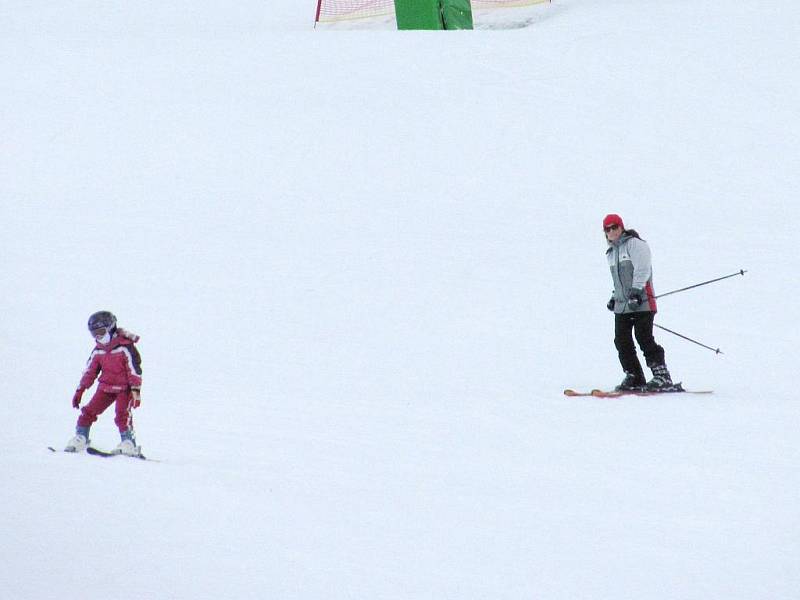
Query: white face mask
(105,338)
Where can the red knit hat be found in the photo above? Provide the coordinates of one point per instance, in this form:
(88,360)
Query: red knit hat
(613,219)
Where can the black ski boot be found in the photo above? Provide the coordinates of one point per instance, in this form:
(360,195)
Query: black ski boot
(632,381)
(661,381)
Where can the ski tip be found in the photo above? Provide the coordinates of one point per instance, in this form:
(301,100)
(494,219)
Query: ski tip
(65,450)
(571,392)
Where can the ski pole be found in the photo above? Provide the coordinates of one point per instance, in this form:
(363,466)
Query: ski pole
(716,350)
(740,272)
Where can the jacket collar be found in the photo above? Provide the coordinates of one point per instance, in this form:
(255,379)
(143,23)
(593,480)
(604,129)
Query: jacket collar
(115,341)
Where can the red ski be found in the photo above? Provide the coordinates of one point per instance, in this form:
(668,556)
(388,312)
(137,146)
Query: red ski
(678,389)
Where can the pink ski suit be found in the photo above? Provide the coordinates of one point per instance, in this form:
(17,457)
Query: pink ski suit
(120,368)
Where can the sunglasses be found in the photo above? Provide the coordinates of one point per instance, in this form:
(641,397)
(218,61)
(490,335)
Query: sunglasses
(611,228)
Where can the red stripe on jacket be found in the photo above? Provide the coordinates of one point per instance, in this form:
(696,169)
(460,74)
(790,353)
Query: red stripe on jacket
(651,296)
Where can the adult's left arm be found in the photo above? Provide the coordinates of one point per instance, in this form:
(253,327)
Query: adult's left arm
(639,252)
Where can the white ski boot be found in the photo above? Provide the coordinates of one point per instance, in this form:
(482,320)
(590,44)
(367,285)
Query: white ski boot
(128,445)
(77,444)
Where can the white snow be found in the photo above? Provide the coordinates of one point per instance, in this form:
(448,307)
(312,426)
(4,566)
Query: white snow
(364,265)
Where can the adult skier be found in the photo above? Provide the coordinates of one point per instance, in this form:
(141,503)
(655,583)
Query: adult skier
(634,307)
(116,360)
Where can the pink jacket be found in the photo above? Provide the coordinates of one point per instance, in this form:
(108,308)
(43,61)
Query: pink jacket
(118,363)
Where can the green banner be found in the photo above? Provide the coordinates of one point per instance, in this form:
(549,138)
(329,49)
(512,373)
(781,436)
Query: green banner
(456,14)
(433,14)
(418,14)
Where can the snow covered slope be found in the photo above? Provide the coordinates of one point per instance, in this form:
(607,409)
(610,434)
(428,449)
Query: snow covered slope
(358,314)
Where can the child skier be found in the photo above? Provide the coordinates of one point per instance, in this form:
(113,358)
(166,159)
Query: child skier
(118,363)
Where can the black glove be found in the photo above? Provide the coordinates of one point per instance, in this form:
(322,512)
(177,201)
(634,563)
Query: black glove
(610,305)
(635,298)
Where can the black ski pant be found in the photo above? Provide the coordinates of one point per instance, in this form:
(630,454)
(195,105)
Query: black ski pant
(639,324)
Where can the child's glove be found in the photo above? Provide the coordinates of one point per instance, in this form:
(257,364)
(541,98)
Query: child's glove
(76,399)
(136,398)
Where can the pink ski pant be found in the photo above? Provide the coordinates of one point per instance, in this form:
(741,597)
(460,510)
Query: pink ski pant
(100,402)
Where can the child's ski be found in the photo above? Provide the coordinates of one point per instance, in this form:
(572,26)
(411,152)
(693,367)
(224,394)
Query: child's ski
(97,452)
(104,454)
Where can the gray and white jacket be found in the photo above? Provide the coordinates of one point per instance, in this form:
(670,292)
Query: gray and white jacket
(631,267)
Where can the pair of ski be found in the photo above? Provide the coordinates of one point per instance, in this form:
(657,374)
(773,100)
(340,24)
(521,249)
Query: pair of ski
(676,389)
(104,454)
